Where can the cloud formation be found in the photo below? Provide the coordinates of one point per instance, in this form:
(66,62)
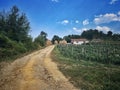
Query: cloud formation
(107,18)
(119,13)
(64,22)
(103,28)
(79,30)
(86,22)
(55,0)
(77,21)
(113,1)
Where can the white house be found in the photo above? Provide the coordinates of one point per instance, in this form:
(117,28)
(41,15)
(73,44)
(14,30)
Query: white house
(79,41)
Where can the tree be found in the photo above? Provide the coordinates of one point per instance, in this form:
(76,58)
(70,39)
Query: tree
(116,37)
(109,33)
(44,34)
(41,39)
(14,37)
(56,38)
(14,25)
(93,34)
(89,34)
(67,38)
(3,21)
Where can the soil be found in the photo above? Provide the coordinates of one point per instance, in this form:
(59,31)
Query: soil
(36,71)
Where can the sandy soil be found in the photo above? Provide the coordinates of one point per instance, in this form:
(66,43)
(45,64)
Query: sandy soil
(34,72)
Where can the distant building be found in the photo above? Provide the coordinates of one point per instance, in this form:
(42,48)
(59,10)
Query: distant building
(79,41)
(48,42)
(55,42)
(63,42)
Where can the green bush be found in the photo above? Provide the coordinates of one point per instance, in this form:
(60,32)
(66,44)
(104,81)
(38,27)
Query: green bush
(9,48)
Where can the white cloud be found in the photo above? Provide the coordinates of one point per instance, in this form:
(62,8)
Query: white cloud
(55,0)
(107,18)
(74,28)
(113,1)
(103,28)
(119,13)
(79,30)
(77,21)
(86,22)
(64,22)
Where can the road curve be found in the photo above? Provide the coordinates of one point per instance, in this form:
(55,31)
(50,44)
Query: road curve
(36,71)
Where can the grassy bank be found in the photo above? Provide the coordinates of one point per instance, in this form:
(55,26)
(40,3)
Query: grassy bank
(88,75)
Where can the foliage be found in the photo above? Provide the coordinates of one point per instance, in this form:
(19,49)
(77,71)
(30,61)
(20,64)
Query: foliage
(69,37)
(41,39)
(14,25)
(14,34)
(108,53)
(116,37)
(56,38)
(9,48)
(86,74)
(94,34)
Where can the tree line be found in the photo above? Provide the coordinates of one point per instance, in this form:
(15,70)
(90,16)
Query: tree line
(14,35)
(90,35)
(15,38)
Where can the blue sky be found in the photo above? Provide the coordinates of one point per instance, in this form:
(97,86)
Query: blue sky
(63,17)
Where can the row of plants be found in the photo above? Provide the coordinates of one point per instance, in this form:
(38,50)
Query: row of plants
(85,73)
(104,53)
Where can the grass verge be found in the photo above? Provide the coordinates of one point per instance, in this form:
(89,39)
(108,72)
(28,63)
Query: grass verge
(88,75)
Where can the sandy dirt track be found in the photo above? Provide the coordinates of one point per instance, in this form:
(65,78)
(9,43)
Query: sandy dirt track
(34,72)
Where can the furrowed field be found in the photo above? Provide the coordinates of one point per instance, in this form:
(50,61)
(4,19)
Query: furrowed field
(94,66)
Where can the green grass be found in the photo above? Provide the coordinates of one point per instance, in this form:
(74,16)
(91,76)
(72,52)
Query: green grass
(88,75)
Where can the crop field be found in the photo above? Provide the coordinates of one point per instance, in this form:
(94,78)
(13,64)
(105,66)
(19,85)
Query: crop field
(95,66)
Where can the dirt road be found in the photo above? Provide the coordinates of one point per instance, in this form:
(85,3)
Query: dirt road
(34,72)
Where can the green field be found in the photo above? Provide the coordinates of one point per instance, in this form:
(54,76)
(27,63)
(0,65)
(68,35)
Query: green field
(90,67)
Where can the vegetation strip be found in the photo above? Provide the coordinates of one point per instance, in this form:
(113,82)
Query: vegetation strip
(86,74)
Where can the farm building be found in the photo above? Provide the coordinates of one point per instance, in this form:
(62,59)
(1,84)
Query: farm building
(55,42)
(79,41)
(63,42)
(48,43)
